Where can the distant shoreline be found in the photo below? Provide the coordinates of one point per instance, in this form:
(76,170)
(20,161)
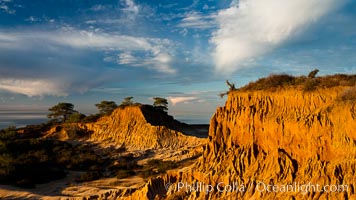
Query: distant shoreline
(21,119)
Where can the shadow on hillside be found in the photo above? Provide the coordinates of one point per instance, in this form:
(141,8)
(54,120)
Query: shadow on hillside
(102,162)
(79,162)
(158,117)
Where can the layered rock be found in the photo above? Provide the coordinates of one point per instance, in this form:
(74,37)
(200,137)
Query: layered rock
(140,127)
(285,137)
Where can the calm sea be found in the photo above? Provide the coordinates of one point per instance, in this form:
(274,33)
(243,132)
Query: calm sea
(194,121)
(21,118)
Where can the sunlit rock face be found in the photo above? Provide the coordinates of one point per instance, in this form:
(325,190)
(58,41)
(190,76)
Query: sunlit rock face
(140,127)
(279,138)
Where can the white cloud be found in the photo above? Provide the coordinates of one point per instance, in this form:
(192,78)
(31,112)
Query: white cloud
(131,10)
(158,61)
(161,62)
(197,21)
(34,87)
(126,58)
(5,8)
(32,19)
(256,27)
(99,7)
(157,52)
(176,100)
(103,41)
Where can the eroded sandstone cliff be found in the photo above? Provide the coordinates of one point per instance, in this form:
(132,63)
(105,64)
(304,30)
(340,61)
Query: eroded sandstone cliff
(285,137)
(140,127)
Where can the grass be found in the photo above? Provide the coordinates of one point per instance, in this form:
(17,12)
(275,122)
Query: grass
(275,82)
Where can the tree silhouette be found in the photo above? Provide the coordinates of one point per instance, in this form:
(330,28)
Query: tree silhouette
(313,73)
(231,88)
(127,101)
(61,111)
(106,107)
(231,85)
(160,103)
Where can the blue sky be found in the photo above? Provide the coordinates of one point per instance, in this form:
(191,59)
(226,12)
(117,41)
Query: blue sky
(87,51)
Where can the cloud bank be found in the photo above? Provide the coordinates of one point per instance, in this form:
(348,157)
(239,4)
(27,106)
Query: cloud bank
(60,55)
(32,87)
(176,100)
(252,28)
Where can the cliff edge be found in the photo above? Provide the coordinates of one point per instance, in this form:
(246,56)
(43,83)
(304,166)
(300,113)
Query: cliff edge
(141,127)
(261,140)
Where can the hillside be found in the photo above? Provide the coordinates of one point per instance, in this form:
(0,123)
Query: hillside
(274,137)
(119,153)
(140,127)
(280,142)
(135,127)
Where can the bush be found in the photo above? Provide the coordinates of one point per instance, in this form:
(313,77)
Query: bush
(75,117)
(89,176)
(348,95)
(8,133)
(124,173)
(91,118)
(310,85)
(26,162)
(75,132)
(273,81)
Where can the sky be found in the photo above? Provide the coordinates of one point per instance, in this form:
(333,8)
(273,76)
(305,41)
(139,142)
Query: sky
(84,52)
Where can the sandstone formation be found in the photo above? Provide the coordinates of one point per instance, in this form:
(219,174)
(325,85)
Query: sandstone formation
(283,137)
(140,127)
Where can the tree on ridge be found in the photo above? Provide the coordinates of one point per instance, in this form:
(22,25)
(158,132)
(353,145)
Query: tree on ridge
(106,107)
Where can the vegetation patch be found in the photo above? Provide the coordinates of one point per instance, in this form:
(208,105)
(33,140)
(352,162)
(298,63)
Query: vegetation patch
(348,95)
(25,162)
(305,83)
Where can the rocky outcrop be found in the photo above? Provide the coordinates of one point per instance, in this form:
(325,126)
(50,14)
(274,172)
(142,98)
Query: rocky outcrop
(140,127)
(302,141)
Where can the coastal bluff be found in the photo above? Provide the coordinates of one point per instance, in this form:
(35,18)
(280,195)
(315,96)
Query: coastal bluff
(140,127)
(279,138)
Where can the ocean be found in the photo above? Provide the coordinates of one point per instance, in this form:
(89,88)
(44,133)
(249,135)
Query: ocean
(21,118)
(194,120)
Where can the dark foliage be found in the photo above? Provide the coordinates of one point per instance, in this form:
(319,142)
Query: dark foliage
(127,101)
(313,73)
(106,107)
(26,162)
(61,111)
(160,103)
